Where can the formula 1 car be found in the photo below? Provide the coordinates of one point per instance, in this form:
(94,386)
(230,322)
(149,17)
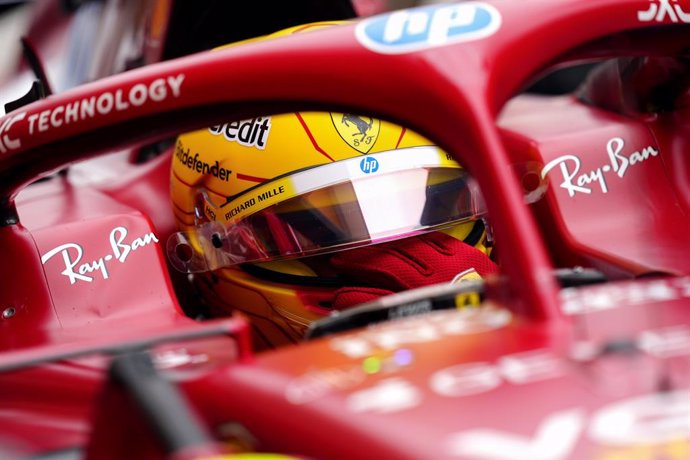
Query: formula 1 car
(77,41)
(579,348)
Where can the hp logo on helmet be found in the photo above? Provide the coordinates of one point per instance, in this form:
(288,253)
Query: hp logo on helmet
(369,165)
(418,28)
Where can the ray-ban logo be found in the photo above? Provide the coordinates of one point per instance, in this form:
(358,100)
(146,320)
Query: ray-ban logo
(76,269)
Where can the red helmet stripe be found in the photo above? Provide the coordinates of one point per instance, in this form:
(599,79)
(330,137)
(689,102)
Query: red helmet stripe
(402,134)
(311,137)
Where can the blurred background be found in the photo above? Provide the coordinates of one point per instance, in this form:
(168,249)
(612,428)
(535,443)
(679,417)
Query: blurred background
(83,40)
(76,41)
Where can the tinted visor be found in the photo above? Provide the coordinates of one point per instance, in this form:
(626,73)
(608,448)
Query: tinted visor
(351,203)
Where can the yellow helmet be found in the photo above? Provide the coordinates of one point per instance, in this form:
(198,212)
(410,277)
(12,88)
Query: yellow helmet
(253,198)
(270,209)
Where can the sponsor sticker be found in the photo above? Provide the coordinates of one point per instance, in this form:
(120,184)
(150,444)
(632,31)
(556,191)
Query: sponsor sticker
(284,188)
(387,396)
(250,133)
(170,359)
(660,10)
(369,165)
(8,143)
(648,426)
(609,296)
(90,107)
(72,254)
(121,99)
(427,27)
(194,163)
(358,132)
(620,160)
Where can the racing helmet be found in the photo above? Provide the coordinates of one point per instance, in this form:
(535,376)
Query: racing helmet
(279,215)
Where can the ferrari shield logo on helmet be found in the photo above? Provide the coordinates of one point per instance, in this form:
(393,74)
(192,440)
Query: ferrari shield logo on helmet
(360,132)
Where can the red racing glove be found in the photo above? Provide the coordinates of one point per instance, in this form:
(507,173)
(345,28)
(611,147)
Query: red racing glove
(409,263)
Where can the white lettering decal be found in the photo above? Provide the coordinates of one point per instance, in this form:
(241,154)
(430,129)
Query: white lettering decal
(250,133)
(120,250)
(404,331)
(43,120)
(518,368)
(120,104)
(6,142)
(416,23)
(55,119)
(137,95)
(76,270)
(447,19)
(71,113)
(658,12)
(69,262)
(157,90)
(605,297)
(554,439)
(175,83)
(666,343)
(465,379)
(389,395)
(103,104)
(650,419)
(576,182)
(647,420)
(32,119)
(414,29)
(88,108)
(530,366)
(175,358)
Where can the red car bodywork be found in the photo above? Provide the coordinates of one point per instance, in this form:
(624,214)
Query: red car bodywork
(541,373)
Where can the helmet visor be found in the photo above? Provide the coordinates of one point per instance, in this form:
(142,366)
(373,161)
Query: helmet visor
(350,203)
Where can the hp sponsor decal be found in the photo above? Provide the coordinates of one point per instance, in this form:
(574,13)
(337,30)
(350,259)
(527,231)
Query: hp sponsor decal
(369,165)
(426,27)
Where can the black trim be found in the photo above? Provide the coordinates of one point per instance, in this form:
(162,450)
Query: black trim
(40,88)
(205,24)
(36,65)
(8,213)
(476,234)
(70,6)
(579,276)
(403,304)
(159,401)
(71,453)
(426,299)
(35,93)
